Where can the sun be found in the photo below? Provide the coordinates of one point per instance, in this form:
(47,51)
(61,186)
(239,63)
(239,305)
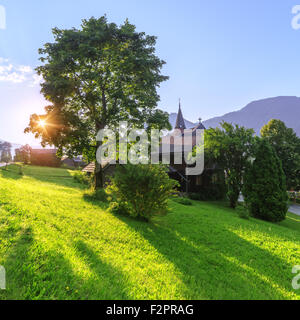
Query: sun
(42,123)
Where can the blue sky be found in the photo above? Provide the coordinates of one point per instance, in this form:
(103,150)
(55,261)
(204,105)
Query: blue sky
(220,54)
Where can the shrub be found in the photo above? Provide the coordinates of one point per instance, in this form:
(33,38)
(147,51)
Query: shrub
(96,195)
(81,177)
(264,186)
(140,191)
(209,193)
(184,201)
(194,196)
(21,173)
(242,212)
(294,196)
(65,166)
(119,209)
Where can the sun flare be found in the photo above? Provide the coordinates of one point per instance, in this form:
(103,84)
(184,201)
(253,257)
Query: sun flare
(42,123)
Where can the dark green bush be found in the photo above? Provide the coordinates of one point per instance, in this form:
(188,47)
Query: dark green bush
(96,195)
(264,185)
(242,211)
(140,190)
(184,201)
(209,193)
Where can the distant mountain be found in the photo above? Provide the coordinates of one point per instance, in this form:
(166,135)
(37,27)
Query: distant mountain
(258,113)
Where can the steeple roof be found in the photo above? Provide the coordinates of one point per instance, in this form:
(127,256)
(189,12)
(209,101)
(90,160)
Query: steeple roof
(180,123)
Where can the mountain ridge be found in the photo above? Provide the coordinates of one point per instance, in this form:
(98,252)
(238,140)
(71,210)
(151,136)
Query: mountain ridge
(258,113)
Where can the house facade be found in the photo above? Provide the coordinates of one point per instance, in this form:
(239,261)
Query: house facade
(211,176)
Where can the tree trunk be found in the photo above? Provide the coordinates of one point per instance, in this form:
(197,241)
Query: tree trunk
(100,125)
(232,203)
(98,179)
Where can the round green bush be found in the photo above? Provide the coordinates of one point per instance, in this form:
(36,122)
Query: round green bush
(140,190)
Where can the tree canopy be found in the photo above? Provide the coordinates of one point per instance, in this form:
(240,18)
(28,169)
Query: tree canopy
(287,146)
(23,154)
(94,77)
(230,147)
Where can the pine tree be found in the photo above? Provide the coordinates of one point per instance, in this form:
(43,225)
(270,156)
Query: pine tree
(265,185)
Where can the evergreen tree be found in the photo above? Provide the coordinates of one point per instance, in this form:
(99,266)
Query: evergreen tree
(287,146)
(265,185)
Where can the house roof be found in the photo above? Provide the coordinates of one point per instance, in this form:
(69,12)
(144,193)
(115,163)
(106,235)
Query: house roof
(200,126)
(90,168)
(180,137)
(180,123)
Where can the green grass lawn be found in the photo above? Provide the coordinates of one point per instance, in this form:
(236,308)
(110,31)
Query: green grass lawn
(56,242)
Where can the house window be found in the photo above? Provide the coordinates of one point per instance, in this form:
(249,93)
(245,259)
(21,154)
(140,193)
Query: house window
(199,181)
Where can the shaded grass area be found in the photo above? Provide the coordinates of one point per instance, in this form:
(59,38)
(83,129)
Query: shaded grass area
(292,221)
(57,241)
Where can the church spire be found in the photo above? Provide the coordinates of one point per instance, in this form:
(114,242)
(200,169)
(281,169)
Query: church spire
(180,123)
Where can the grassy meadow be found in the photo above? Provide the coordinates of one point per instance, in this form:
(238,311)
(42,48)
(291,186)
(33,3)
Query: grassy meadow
(58,242)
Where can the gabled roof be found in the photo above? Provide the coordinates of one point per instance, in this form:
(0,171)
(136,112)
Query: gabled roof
(199,126)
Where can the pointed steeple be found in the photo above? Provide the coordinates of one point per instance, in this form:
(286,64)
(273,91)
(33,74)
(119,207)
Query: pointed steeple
(180,123)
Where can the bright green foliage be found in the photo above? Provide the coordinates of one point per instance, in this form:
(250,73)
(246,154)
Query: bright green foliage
(287,146)
(230,147)
(56,245)
(95,77)
(264,186)
(141,190)
(81,177)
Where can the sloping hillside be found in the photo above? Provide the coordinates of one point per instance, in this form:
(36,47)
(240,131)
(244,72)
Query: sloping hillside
(59,242)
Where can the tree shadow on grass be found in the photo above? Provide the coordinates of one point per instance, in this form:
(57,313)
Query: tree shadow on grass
(96,198)
(10,174)
(62,181)
(113,283)
(35,273)
(212,268)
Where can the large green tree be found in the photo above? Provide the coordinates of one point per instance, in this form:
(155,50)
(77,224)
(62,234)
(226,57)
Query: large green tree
(231,148)
(287,146)
(265,185)
(94,77)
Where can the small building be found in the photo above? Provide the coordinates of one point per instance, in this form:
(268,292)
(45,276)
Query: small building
(210,177)
(76,162)
(107,168)
(210,182)
(45,157)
